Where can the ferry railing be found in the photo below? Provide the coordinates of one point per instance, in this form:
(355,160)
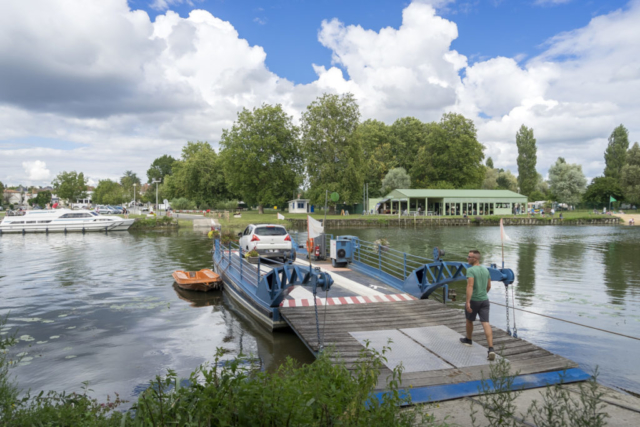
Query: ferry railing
(300,238)
(387,260)
(232,257)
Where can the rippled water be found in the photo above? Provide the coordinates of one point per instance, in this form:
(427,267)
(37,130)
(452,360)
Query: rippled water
(587,275)
(103,308)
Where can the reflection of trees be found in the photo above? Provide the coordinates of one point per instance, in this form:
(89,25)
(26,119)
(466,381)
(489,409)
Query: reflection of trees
(619,257)
(526,274)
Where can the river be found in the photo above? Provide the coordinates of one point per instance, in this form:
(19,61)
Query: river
(103,308)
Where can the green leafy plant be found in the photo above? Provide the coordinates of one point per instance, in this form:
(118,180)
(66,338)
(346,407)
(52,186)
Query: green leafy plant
(252,253)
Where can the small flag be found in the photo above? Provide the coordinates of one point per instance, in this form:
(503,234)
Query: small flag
(315,227)
(611,199)
(503,235)
(280,216)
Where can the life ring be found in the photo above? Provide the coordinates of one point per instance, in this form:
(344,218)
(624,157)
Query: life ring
(309,245)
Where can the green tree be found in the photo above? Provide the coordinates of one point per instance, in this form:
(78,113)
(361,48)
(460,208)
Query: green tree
(616,152)
(41,199)
(566,181)
(128,179)
(409,135)
(261,156)
(377,143)
(527,158)
(451,157)
(160,168)
(108,192)
(70,186)
(630,177)
(332,151)
(198,176)
(490,178)
(489,163)
(507,181)
(601,189)
(396,178)
(537,196)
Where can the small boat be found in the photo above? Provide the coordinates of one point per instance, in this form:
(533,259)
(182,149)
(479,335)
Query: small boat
(204,280)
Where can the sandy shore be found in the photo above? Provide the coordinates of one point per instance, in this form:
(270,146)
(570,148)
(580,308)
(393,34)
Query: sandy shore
(627,217)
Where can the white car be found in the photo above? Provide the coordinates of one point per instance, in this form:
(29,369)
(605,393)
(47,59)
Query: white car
(270,240)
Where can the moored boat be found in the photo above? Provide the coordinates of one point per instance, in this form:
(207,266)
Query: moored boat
(204,280)
(62,220)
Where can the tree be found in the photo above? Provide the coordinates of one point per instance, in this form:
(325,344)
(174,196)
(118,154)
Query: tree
(451,156)
(601,189)
(108,193)
(70,186)
(567,182)
(616,152)
(1,188)
(41,199)
(489,163)
(527,158)
(396,178)
(261,156)
(160,168)
(630,176)
(128,179)
(332,151)
(198,176)
(409,134)
(507,181)
(377,143)
(490,178)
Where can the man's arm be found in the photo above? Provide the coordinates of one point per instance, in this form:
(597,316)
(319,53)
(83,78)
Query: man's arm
(489,285)
(469,292)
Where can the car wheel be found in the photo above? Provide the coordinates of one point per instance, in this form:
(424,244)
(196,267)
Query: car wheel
(294,255)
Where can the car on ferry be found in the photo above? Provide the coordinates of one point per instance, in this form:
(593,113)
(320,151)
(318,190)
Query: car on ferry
(269,240)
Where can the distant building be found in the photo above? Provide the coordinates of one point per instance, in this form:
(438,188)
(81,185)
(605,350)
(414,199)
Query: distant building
(299,206)
(450,202)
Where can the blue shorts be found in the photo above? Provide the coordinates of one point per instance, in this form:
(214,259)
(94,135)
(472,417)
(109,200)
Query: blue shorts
(478,307)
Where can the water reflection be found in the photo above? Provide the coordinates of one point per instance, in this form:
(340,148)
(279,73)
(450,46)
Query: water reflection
(526,273)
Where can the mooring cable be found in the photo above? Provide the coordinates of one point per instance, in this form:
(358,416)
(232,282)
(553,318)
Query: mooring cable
(569,321)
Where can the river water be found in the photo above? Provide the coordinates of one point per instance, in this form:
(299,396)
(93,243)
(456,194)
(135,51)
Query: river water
(103,308)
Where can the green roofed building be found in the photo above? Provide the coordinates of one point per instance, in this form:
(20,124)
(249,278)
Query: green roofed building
(450,202)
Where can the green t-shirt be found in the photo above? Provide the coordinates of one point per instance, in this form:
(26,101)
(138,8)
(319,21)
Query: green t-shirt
(480,276)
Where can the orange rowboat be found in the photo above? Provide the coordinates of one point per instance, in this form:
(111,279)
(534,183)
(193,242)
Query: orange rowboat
(203,280)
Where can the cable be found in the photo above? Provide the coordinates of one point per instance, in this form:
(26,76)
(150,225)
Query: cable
(569,321)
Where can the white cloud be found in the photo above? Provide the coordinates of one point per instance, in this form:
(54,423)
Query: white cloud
(125,90)
(36,171)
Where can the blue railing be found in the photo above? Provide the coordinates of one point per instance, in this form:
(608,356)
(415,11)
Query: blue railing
(387,260)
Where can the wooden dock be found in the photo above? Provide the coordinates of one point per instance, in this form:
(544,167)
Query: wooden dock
(344,320)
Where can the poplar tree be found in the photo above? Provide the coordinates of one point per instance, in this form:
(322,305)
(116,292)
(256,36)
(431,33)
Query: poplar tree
(630,176)
(527,158)
(489,163)
(616,153)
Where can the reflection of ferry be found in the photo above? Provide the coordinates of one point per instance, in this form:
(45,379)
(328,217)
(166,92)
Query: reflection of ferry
(62,220)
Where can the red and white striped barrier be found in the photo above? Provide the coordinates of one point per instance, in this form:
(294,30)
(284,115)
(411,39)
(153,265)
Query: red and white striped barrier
(306,302)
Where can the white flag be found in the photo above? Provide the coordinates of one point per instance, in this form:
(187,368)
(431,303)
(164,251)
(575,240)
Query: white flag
(315,227)
(503,235)
(280,216)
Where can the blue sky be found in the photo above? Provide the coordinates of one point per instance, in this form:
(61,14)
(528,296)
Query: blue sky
(288,29)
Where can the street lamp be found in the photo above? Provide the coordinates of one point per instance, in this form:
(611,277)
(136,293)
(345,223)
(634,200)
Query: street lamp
(156,181)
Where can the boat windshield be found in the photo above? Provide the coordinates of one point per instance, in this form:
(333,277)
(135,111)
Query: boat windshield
(93,213)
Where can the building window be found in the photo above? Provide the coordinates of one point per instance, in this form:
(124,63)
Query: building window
(300,205)
(490,208)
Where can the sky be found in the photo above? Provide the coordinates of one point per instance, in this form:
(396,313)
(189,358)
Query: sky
(105,86)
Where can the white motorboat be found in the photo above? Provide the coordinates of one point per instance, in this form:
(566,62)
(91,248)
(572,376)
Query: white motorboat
(62,220)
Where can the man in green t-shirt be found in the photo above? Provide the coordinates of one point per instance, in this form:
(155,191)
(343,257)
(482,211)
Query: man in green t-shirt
(478,284)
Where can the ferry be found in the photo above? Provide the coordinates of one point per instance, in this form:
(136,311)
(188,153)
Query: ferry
(62,220)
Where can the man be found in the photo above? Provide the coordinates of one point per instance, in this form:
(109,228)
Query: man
(478,284)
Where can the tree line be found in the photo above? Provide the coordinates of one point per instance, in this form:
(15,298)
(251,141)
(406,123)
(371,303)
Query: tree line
(265,159)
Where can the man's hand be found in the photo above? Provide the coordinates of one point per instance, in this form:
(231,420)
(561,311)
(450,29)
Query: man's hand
(469,307)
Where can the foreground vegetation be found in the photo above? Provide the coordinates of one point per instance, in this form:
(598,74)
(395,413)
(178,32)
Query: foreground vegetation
(236,393)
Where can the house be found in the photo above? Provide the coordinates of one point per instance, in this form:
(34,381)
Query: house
(299,206)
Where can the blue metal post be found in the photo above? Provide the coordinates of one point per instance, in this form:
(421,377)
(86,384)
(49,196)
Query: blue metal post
(229,254)
(258,280)
(405,266)
(240,252)
(445,294)
(380,257)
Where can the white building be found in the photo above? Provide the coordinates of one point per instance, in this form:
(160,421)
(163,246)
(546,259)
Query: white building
(299,206)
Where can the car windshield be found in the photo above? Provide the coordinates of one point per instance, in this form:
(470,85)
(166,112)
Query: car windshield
(270,231)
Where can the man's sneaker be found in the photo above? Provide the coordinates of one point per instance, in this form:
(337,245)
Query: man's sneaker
(466,341)
(492,354)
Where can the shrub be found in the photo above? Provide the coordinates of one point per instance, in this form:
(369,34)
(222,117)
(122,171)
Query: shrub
(182,204)
(226,205)
(251,253)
